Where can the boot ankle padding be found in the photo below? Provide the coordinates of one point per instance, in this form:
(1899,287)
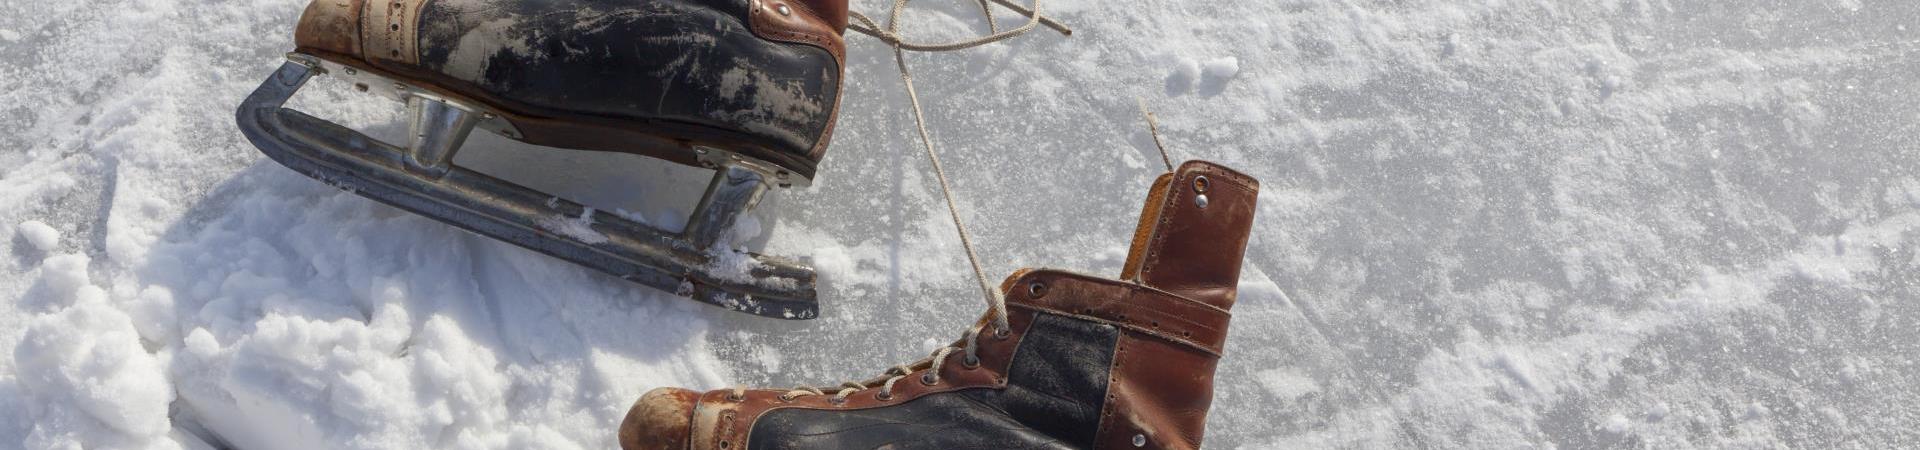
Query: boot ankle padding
(1143,231)
(1195,246)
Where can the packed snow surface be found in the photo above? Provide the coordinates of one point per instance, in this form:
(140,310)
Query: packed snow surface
(1483,224)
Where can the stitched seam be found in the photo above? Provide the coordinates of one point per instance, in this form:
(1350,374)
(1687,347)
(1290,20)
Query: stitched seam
(1205,348)
(1167,206)
(1114,370)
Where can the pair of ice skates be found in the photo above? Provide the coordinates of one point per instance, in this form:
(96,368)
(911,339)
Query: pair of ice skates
(751,89)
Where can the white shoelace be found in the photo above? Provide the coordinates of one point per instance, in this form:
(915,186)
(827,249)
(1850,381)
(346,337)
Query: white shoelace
(890,34)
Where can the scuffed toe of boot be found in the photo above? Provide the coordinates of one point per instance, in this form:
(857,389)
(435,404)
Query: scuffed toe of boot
(331,26)
(660,420)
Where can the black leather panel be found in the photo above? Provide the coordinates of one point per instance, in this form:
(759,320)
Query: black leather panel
(691,62)
(1057,386)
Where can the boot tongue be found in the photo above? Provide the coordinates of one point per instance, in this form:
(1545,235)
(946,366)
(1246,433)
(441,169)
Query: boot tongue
(1193,233)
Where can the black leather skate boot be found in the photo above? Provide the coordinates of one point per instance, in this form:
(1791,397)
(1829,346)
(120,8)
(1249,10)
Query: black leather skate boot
(1070,360)
(749,88)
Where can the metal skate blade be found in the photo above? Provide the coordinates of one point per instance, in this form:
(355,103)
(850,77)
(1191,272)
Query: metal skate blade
(756,284)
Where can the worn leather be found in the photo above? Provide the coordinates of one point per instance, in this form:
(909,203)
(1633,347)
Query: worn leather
(1089,362)
(1162,388)
(1195,251)
(728,73)
(1137,308)
(1052,399)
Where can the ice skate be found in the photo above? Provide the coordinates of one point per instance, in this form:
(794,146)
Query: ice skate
(749,88)
(1068,361)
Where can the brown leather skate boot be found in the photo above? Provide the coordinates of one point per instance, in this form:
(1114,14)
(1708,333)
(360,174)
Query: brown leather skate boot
(749,88)
(1069,361)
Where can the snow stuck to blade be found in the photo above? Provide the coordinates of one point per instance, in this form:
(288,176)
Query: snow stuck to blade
(1581,223)
(575,228)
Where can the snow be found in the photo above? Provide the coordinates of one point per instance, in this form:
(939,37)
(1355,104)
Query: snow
(578,228)
(40,235)
(1584,223)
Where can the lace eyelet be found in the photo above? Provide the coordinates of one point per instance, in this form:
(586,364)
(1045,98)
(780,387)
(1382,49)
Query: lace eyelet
(734,397)
(971,362)
(1037,289)
(837,400)
(786,398)
(883,396)
(1001,333)
(928,379)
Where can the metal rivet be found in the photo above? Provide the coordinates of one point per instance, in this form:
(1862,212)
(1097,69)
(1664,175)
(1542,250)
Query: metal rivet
(1139,440)
(1200,200)
(782,8)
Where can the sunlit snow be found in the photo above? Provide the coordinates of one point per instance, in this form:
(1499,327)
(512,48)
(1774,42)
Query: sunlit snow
(1491,224)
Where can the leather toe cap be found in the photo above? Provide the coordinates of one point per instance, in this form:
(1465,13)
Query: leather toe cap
(660,420)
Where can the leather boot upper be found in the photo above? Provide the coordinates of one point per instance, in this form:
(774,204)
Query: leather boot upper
(751,74)
(1086,362)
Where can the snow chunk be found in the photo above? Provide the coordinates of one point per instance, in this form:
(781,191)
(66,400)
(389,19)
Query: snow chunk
(306,383)
(1287,383)
(40,235)
(1219,70)
(90,383)
(1616,425)
(576,228)
(65,274)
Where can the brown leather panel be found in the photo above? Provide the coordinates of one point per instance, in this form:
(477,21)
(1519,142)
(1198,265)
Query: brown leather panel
(1196,251)
(719,419)
(1136,308)
(390,31)
(1143,233)
(799,26)
(834,12)
(804,25)
(1160,391)
(329,25)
